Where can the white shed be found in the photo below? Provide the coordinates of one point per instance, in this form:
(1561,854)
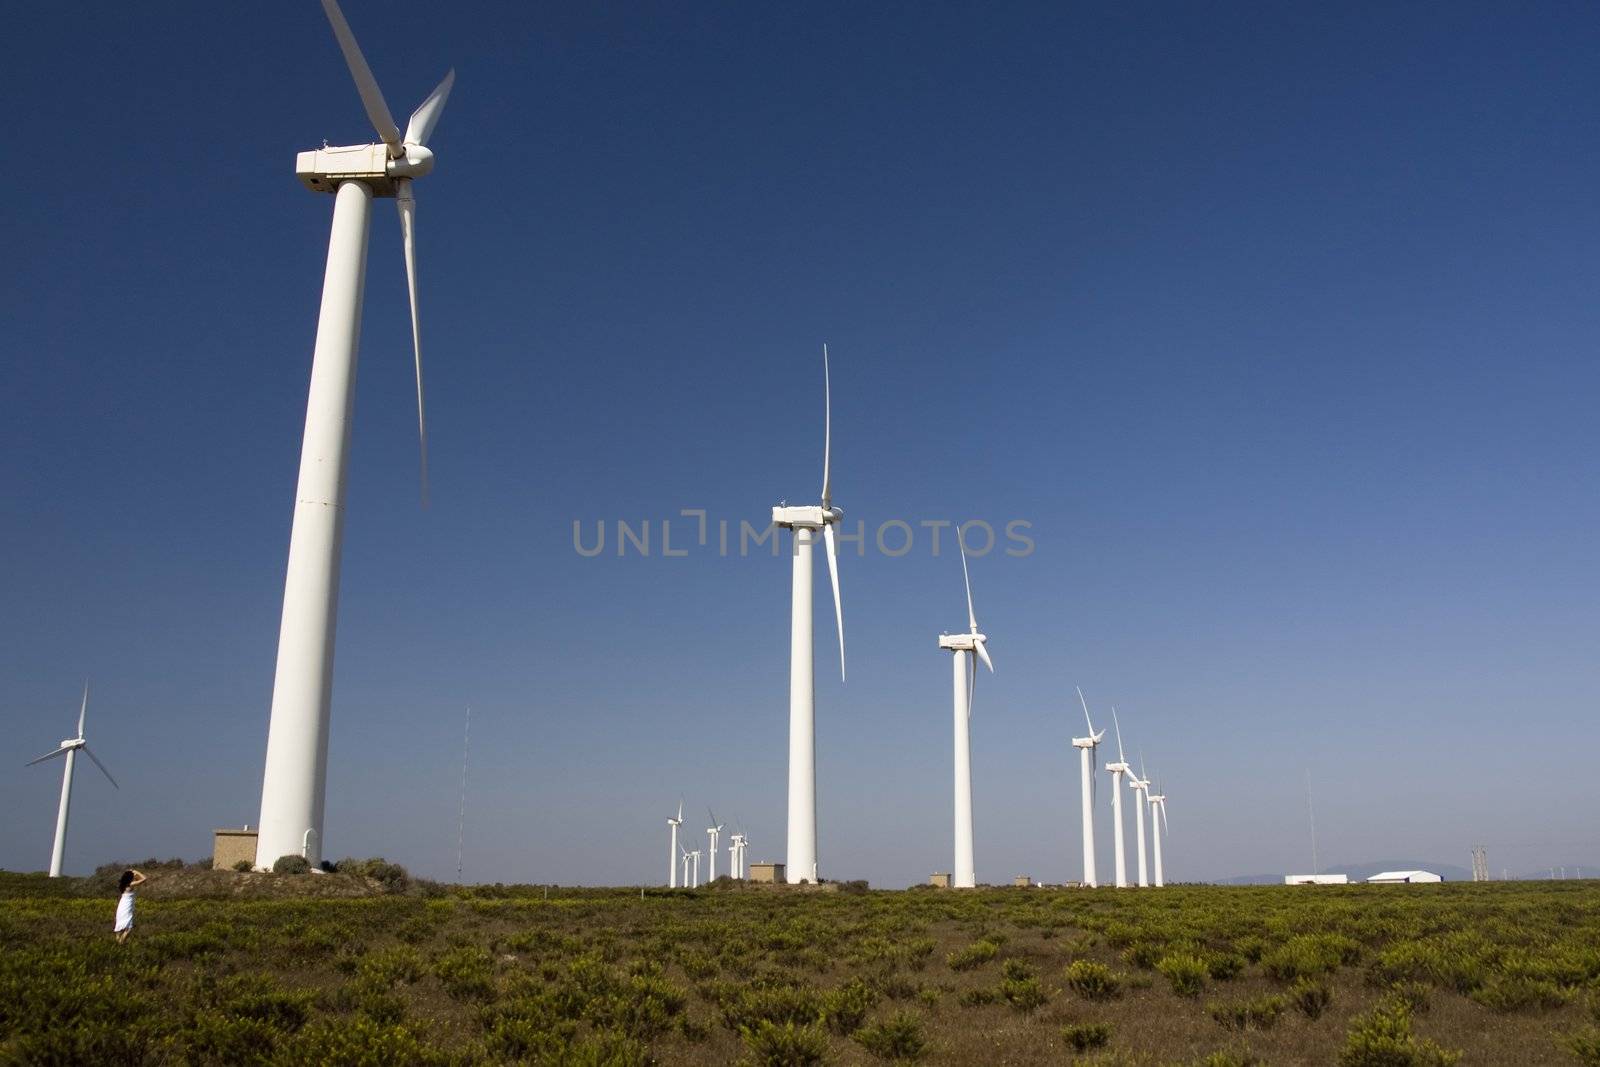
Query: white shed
(1316,879)
(1402,877)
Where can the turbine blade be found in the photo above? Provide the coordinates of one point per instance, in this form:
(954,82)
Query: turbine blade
(680,809)
(827,431)
(833,575)
(1164,817)
(972,683)
(1085,704)
(1141,767)
(972,618)
(102,767)
(47,755)
(983,654)
(83,709)
(1118,725)
(423,120)
(366,84)
(407,206)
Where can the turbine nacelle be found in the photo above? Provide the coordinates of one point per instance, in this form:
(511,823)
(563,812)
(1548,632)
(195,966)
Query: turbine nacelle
(1119,768)
(961,642)
(1088,742)
(813,517)
(323,170)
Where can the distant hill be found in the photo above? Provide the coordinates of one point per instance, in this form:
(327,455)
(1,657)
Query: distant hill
(1360,872)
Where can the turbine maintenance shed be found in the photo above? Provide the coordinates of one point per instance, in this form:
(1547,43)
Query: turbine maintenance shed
(1402,877)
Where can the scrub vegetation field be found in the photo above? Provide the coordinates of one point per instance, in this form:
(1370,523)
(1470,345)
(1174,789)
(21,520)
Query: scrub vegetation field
(369,968)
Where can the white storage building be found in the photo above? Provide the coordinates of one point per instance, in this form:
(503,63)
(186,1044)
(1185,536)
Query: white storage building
(1402,877)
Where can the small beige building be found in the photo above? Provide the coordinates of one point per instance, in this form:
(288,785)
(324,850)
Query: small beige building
(229,846)
(939,879)
(766,872)
(1023,881)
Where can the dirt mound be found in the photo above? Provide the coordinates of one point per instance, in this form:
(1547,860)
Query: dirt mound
(191,882)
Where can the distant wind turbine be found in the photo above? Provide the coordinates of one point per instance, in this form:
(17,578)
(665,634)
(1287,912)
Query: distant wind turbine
(69,748)
(712,831)
(967,648)
(1118,769)
(294,782)
(1140,787)
(1158,827)
(674,849)
(805,521)
(1086,747)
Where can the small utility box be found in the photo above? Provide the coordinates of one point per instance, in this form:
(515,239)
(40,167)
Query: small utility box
(766,872)
(939,880)
(229,846)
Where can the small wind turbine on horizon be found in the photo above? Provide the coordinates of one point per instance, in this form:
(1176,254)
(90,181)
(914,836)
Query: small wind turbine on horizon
(1158,826)
(1140,787)
(294,782)
(69,748)
(712,831)
(1086,747)
(966,649)
(1118,769)
(805,521)
(674,849)
(736,855)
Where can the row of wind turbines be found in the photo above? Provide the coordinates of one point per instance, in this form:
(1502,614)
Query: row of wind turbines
(690,860)
(1143,798)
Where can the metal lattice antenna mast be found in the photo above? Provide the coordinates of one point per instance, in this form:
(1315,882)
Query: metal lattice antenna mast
(461,825)
(1311,815)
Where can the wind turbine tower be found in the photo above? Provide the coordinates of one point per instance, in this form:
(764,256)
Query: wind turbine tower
(1158,826)
(294,782)
(806,521)
(1118,769)
(69,749)
(1086,747)
(966,648)
(712,831)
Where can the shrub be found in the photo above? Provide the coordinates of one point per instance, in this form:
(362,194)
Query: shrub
(975,954)
(1414,995)
(1093,981)
(1023,994)
(1585,1045)
(745,1007)
(1016,969)
(972,998)
(466,973)
(359,1041)
(1310,997)
(1309,955)
(1085,1036)
(1518,992)
(1382,1038)
(845,1008)
(1224,966)
(898,1037)
(1261,1013)
(243,866)
(291,865)
(769,1045)
(1186,973)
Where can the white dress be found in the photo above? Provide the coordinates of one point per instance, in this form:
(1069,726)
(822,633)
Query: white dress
(124,912)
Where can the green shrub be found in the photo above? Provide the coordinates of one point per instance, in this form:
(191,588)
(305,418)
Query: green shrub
(972,998)
(1260,1013)
(1585,1045)
(1016,969)
(1518,993)
(359,1042)
(1382,1038)
(1082,1037)
(1093,981)
(1310,996)
(1186,973)
(466,973)
(1023,994)
(845,1008)
(243,865)
(1310,955)
(1414,995)
(898,1037)
(975,954)
(1224,966)
(291,865)
(745,1007)
(769,1045)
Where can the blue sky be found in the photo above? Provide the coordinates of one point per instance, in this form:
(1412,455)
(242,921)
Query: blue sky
(1275,322)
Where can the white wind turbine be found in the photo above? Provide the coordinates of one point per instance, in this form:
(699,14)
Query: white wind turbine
(712,831)
(69,748)
(1118,769)
(294,782)
(1141,787)
(966,648)
(1158,826)
(695,856)
(1086,750)
(673,850)
(736,855)
(686,857)
(801,865)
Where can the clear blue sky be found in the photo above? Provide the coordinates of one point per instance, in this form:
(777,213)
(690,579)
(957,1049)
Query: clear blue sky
(1277,322)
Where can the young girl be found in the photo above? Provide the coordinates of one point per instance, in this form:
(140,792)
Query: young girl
(124,927)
